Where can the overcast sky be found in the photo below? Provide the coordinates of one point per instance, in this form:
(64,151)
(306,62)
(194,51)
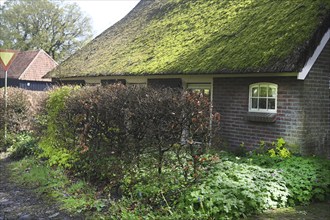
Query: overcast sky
(104,13)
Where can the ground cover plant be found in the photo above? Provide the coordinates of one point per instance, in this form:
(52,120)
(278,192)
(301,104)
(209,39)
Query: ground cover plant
(131,153)
(227,188)
(307,178)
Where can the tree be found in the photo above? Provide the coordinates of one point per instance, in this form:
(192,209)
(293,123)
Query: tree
(57,27)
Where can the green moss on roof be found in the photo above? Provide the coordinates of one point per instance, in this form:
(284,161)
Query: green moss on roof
(203,36)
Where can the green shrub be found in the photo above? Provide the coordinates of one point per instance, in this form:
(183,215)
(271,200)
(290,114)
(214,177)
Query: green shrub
(22,145)
(23,106)
(17,114)
(54,139)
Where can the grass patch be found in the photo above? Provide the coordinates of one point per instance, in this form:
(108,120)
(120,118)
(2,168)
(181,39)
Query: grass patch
(73,196)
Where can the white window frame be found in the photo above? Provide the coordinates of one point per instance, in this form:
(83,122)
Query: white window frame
(263,84)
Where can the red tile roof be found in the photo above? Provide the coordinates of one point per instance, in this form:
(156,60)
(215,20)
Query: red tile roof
(30,65)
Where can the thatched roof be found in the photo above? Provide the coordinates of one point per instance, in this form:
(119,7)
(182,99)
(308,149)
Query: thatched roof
(204,37)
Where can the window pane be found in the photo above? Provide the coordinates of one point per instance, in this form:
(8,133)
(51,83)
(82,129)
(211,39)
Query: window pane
(271,92)
(254,103)
(271,103)
(255,92)
(262,103)
(138,85)
(198,91)
(263,97)
(263,92)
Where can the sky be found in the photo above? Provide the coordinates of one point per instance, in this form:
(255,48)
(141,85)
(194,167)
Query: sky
(104,13)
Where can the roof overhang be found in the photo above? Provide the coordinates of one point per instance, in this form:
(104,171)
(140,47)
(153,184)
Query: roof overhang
(309,64)
(198,77)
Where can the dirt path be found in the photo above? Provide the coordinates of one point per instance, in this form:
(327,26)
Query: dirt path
(22,203)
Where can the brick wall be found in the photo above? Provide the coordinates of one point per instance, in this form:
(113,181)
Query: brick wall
(231,97)
(303,114)
(316,99)
(38,68)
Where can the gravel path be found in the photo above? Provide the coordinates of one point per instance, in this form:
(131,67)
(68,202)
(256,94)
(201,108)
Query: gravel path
(22,203)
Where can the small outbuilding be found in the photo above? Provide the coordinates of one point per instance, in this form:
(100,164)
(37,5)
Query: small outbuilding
(27,70)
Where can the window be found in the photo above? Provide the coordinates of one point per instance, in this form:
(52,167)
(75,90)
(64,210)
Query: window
(203,88)
(138,85)
(105,82)
(263,97)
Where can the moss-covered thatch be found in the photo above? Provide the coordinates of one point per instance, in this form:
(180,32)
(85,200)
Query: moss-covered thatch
(205,36)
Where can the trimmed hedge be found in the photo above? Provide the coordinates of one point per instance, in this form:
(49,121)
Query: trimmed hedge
(112,127)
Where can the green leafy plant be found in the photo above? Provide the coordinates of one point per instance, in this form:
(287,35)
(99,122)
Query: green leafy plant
(307,179)
(279,149)
(268,154)
(54,140)
(23,144)
(234,190)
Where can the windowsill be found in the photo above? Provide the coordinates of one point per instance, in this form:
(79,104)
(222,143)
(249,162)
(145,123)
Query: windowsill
(261,117)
